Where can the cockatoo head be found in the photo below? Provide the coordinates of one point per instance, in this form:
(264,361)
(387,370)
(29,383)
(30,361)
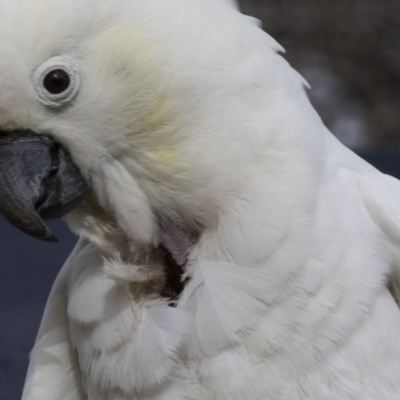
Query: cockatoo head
(154,112)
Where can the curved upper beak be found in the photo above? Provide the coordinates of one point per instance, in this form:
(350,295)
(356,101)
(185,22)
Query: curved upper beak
(38,181)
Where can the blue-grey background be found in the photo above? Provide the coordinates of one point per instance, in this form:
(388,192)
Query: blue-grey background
(27,269)
(348,50)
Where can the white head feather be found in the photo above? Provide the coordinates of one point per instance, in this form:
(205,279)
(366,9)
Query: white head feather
(160,131)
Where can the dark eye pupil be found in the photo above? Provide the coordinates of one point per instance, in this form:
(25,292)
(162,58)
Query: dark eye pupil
(56,81)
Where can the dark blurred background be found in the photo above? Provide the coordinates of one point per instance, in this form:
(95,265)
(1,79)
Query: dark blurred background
(28,268)
(348,50)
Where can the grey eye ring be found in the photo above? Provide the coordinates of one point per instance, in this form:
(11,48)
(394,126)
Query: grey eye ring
(57,81)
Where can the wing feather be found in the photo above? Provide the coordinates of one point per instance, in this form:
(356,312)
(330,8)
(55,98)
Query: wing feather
(381,197)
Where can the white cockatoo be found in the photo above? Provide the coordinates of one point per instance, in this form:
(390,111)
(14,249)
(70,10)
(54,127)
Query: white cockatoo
(230,247)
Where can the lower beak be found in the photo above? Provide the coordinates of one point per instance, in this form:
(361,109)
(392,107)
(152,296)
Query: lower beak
(38,181)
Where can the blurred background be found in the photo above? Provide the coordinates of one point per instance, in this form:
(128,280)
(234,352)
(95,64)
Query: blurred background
(349,52)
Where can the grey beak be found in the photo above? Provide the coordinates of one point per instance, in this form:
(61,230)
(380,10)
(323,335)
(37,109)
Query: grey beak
(38,181)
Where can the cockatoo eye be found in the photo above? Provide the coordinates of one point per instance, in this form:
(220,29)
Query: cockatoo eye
(57,81)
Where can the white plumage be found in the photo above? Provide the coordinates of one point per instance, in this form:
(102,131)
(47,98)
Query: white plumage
(188,120)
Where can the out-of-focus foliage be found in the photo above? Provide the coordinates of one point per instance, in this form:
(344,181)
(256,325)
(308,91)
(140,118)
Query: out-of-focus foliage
(349,51)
